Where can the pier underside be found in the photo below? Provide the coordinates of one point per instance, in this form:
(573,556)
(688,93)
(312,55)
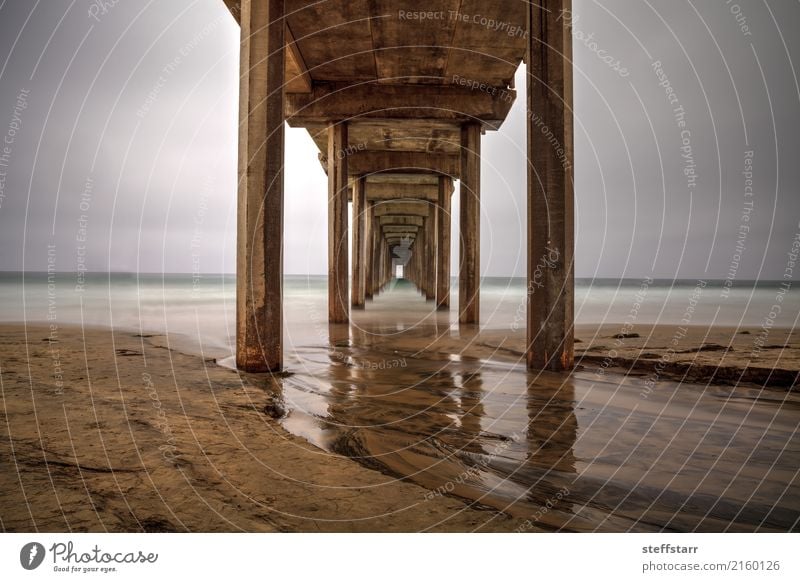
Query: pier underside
(397,101)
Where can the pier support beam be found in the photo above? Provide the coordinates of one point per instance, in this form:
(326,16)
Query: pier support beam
(259,261)
(550,188)
(369,226)
(443,242)
(376,253)
(358,295)
(338,304)
(431,246)
(470,259)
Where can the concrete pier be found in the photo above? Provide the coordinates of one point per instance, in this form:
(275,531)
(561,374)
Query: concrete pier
(551,234)
(259,261)
(358,294)
(398,117)
(443,220)
(338,304)
(470,225)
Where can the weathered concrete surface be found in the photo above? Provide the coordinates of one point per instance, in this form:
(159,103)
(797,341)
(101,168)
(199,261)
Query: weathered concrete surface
(338,303)
(470,224)
(550,190)
(443,220)
(259,346)
(401,103)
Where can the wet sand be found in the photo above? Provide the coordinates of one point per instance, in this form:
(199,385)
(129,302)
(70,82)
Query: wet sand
(407,392)
(444,428)
(142,438)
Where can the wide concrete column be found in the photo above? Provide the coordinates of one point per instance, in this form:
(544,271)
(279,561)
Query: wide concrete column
(470,219)
(550,187)
(431,245)
(358,294)
(259,260)
(443,244)
(338,304)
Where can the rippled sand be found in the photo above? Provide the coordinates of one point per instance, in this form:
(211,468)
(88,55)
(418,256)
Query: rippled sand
(142,438)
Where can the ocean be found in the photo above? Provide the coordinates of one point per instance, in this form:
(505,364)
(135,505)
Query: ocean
(202,309)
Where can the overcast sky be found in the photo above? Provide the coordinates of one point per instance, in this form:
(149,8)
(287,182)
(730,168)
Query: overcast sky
(105,144)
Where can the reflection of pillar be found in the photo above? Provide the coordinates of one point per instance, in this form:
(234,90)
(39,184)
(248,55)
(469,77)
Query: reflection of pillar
(259,282)
(369,224)
(552,427)
(338,308)
(359,244)
(432,251)
(472,411)
(550,188)
(469,275)
(443,242)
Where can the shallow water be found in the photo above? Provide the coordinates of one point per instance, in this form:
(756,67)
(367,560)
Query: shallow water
(404,391)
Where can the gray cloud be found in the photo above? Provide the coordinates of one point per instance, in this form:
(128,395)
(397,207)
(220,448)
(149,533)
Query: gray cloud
(142,107)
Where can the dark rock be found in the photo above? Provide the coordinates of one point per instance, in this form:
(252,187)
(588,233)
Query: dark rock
(275,408)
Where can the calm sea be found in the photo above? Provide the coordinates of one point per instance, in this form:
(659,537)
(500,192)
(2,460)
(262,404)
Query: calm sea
(203,309)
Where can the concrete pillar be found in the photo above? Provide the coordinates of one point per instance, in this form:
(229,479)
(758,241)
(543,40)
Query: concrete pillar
(443,243)
(420,248)
(369,225)
(431,254)
(379,264)
(387,262)
(470,259)
(338,304)
(358,295)
(376,259)
(550,188)
(259,261)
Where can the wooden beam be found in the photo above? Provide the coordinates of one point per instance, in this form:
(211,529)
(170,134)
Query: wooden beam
(338,304)
(550,297)
(410,101)
(470,259)
(259,281)
(358,297)
(443,220)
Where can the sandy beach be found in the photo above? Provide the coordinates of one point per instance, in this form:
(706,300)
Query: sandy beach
(142,438)
(702,354)
(130,432)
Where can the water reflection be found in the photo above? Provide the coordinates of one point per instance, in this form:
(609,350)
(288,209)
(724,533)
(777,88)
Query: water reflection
(433,404)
